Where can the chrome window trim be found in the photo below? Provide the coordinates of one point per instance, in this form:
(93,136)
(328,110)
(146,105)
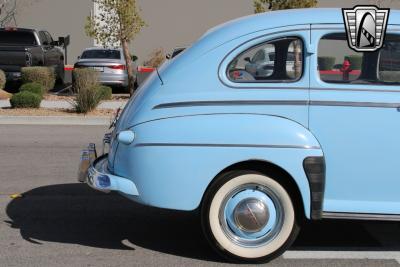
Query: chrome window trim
(271,41)
(254,84)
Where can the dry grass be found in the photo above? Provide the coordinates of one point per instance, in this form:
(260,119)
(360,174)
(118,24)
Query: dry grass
(156,58)
(53,112)
(4,95)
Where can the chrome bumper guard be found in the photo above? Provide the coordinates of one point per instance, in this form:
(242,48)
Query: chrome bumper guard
(95,173)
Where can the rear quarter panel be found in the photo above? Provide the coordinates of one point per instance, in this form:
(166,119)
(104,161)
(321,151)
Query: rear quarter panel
(173,160)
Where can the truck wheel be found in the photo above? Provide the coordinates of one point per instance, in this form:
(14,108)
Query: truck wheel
(61,75)
(247,216)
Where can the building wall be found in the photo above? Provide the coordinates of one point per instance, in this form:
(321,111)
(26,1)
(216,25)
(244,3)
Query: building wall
(170,23)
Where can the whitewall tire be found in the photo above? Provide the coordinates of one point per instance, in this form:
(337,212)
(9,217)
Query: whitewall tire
(248,216)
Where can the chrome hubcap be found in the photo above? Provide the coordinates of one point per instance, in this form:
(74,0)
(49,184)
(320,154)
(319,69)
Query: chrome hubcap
(251,215)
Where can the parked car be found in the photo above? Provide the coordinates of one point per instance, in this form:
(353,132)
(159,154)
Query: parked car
(262,64)
(110,63)
(258,156)
(28,47)
(176,51)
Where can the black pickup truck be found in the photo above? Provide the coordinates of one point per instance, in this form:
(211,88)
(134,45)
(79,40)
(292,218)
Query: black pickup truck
(27,47)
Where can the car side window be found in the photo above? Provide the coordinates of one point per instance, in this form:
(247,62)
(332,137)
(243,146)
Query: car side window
(42,37)
(274,61)
(337,63)
(49,38)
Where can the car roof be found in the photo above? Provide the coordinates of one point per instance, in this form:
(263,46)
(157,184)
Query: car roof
(282,18)
(18,29)
(240,27)
(101,48)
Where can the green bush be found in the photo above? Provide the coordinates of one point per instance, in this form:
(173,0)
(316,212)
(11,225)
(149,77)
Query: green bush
(35,88)
(2,80)
(355,61)
(85,84)
(25,99)
(105,92)
(326,63)
(42,75)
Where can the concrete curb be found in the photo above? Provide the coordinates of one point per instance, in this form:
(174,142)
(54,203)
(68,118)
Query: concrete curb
(54,120)
(67,105)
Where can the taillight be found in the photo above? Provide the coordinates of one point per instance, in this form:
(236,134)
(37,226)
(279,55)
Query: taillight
(118,67)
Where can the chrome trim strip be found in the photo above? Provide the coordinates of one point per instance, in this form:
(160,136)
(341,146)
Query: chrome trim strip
(277,103)
(354,90)
(354,104)
(360,216)
(232,103)
(223,145)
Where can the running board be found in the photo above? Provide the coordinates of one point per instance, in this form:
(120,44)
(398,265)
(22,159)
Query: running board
(360,216)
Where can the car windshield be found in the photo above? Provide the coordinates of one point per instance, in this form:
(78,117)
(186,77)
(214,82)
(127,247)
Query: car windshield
(101,54)
(17,38)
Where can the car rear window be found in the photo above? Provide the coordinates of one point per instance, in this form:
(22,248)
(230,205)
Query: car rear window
(101,54)
(273,61)
(17,38)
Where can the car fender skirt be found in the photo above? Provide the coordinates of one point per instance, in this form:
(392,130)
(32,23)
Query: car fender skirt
(314,168)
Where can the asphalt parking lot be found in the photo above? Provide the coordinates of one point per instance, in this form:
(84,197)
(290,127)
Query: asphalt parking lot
(58,222)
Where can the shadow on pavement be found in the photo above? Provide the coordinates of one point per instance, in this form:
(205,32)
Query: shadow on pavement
(76,214)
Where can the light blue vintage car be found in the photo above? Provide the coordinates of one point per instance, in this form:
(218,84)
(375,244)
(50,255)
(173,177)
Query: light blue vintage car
(258,154)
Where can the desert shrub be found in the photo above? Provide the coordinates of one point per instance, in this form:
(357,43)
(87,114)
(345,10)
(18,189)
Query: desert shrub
(35,88)
(156,58)
(25,99)
(326,63)
(84,78)
(85,83)
(355,61)
(2,80)
(105,92)
(42,75)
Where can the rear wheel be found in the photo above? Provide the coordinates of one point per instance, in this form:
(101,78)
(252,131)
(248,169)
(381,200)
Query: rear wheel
(248,216)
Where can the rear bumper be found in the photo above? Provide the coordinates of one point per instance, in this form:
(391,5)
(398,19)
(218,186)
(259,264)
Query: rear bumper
(100,178)
(114,79)
(13,76)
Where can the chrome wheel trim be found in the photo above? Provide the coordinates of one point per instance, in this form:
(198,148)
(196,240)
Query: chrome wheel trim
(251,239)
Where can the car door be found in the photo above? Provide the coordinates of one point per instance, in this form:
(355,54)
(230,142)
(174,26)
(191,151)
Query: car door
(53,53)
(355,116)
(45,48)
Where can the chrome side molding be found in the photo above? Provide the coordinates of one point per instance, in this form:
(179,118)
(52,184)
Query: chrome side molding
(360,216)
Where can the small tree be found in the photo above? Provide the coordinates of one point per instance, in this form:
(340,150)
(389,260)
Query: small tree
(261,6)
(118,22)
